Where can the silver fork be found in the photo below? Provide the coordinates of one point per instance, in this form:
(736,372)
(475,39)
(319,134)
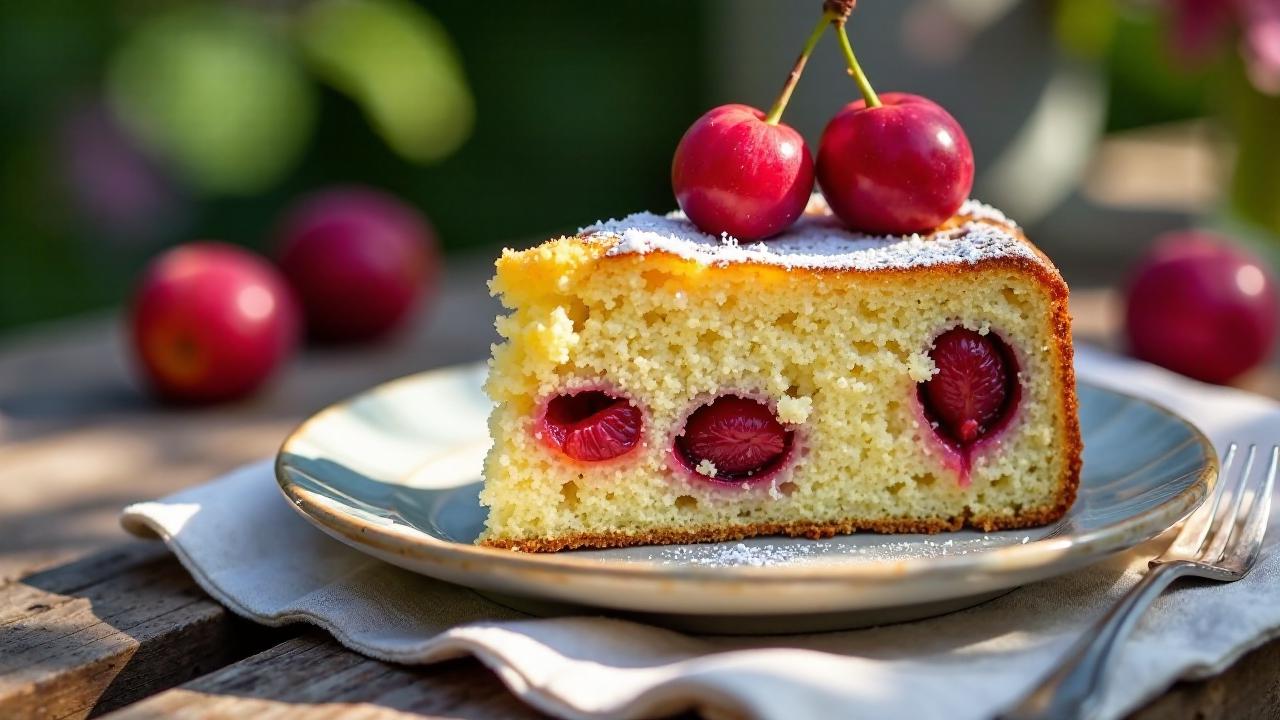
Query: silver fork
(1220,541)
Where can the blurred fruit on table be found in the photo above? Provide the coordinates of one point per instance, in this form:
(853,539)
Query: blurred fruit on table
(1201,306)
(361,262)
(211,322)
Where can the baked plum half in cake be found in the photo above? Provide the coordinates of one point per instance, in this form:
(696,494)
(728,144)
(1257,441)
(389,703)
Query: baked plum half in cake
(658,385)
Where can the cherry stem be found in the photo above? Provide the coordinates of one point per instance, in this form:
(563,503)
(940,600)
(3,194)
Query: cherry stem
(868,93)
(775,112)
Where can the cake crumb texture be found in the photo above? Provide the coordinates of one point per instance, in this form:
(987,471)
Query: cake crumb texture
(835,348)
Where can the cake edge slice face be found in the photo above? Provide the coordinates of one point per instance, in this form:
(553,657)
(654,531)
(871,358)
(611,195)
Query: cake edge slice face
(624,339)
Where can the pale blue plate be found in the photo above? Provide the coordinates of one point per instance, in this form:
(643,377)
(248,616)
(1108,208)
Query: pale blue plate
(395,473)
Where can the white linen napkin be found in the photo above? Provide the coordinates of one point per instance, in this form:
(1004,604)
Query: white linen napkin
(252,553)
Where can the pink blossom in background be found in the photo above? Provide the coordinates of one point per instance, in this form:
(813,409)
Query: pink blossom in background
(1200,26)
(1260,43)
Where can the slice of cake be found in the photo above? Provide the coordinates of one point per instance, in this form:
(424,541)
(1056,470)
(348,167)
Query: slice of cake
(659,385)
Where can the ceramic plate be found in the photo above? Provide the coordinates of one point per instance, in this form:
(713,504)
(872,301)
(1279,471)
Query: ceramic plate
(395,473)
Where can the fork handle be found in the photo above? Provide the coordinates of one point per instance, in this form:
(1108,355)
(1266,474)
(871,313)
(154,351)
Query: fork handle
(1070,692)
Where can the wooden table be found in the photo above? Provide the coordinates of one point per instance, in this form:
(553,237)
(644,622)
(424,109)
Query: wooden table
(92,622)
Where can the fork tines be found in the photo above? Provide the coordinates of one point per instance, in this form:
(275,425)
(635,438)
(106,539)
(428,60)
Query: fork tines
(1226,530)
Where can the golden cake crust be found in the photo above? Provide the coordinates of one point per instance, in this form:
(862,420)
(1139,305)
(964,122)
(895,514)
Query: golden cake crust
(813,531)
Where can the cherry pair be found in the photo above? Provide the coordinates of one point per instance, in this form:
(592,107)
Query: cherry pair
(739,436)
(887,164)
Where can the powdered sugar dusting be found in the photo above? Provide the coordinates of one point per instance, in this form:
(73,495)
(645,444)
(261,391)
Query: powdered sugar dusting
(817,241)
(982,211)
(852,549)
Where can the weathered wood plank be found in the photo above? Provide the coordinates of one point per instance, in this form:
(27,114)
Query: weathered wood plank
(108,630)
(16,594)
(124,625)
(313,678)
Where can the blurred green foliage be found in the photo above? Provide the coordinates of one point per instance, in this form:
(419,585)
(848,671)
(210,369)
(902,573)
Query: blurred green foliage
(1254,119)
(217,92)
(1085,27)
(1167,62)
(130,125)
(1148,85)
(399,63)
(560,113)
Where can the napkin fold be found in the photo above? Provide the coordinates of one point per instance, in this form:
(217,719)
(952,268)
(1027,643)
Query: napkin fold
(252,553)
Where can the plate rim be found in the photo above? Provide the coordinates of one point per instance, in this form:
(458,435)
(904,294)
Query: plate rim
(411,542)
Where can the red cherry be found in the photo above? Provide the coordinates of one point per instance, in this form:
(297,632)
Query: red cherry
(973,385)
(740,437)
(360,261)
(735,173)
(900,168)
(211,322)
(1201,307)
(591,425)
